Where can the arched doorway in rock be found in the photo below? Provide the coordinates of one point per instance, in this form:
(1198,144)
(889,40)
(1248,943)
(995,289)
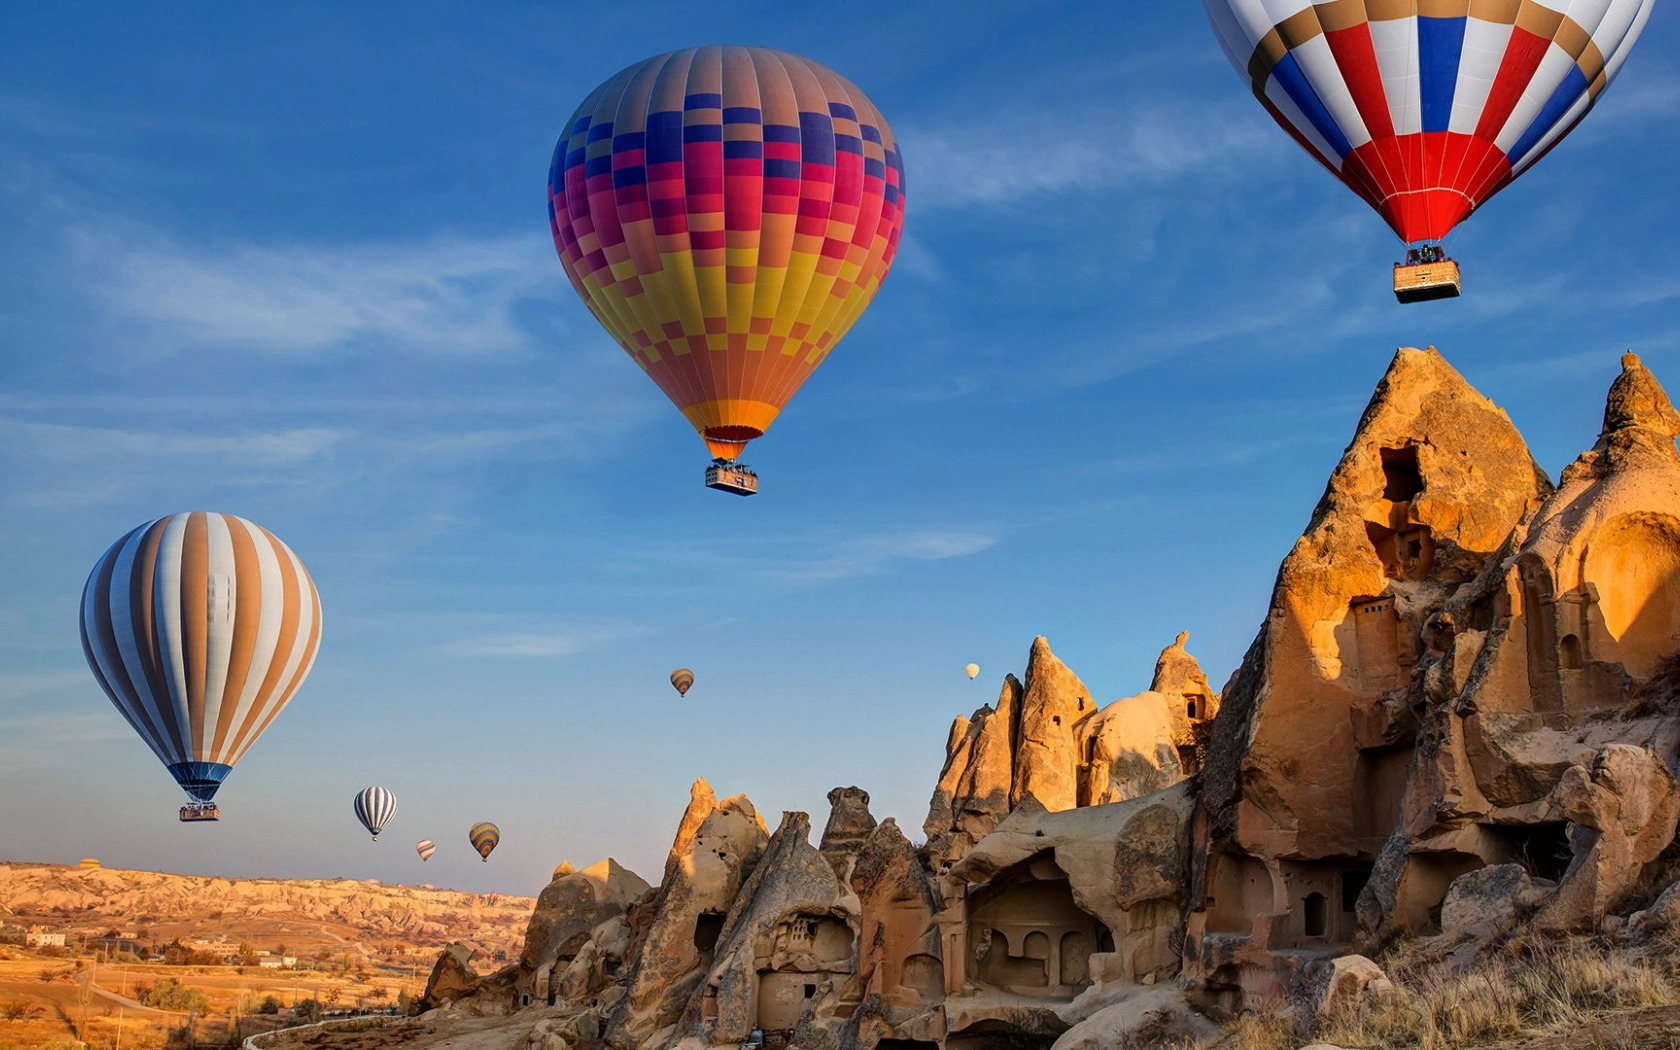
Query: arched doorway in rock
(1026,935)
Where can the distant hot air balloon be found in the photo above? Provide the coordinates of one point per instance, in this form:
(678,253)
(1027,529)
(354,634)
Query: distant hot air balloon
(972,670)
(484,836)
(375,806)
(1427,109)
(425,847)
(200,627)
(681,679)
(727,213)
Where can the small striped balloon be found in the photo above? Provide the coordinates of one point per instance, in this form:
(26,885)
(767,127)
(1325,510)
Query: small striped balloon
(484,836)
(375,807)
(681,679)
(425,847)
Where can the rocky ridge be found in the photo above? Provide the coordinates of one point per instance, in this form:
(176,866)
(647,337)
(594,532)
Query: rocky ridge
(1456,719)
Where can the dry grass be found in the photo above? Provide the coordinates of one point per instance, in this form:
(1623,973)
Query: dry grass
(1527,987)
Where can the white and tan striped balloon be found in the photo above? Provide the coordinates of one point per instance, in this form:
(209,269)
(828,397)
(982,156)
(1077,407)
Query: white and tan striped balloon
(200,627)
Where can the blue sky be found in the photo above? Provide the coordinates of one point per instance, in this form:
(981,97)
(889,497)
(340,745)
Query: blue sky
(293,264)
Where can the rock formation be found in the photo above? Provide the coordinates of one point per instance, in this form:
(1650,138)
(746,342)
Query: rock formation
(717,846)
(564,922)
(1457,717)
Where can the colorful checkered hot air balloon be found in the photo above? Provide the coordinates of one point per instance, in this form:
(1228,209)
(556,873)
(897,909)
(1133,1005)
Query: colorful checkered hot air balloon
(484,836)
(1427,108)
(200,627)
(727,213)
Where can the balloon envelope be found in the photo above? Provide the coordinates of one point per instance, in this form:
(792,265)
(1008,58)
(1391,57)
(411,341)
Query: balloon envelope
(425,847)
(1428,109)
(972,670)
(727,213)
(681,679)
(200,628)
(375,806)
(484,836)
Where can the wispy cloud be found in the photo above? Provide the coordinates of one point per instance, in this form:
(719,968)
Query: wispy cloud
(561,642)
(869,555)
(445,295)
(1017,157)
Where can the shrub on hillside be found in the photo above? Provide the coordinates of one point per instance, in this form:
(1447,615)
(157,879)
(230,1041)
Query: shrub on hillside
(171,995)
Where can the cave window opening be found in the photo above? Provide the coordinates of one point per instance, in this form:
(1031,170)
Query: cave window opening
(810,991)
(1569,653)
(1190,706)
(1542,849)
(1353,883)
(707,926)
(1090,749)
(1056,719)
(1402,480)
(1315,917)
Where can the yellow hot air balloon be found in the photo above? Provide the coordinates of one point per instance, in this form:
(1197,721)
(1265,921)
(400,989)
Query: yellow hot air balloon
(681,679)
(972,670)
(484,836)
(727,213)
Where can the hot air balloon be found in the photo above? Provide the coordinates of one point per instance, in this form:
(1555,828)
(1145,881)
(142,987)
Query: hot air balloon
(375,806)
(200,627)
(425,847)
(972,670)
(1427,109)
(484,836)
(681,679)
(727,213)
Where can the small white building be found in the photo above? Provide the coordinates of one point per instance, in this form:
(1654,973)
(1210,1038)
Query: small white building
(41,937)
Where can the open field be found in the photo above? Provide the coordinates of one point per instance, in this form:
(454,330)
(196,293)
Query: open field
(44,998)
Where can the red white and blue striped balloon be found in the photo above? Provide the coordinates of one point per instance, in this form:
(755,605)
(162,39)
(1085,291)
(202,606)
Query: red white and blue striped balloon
(1426,108)
(200,627)
(375,806)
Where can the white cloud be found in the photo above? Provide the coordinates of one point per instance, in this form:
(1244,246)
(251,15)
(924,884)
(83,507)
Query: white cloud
(868,555)
(1019,156)
(538,644)
(447,295)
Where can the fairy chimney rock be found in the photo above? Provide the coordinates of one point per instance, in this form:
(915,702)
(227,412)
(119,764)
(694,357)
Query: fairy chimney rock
(849,820)
(1424,497)
(1053,703)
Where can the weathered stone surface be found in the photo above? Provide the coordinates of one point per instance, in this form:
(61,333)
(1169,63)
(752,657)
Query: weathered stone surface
(567,912)
(1488,899)
(1193,703)
(718,845)
(1148,1017)
(1338,984)
(1662,915)
(1623,812)
(973,791)
(1310,766)
(1130,749)
(452,977)
(1053,703)
(1126,863)
(899,961)
(849,820)
(787,947)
